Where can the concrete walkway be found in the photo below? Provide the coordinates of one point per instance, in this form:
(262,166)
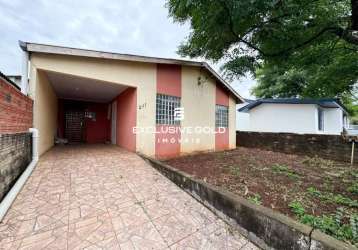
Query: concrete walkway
(102,197)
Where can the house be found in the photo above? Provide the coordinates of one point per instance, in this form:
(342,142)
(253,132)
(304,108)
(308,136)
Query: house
(292,115)
(243,118)
(10,80)
(15,79)
(159,107)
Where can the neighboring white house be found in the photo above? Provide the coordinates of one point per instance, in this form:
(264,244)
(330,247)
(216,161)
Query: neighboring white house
(243,118)
(302,116)
(15,78)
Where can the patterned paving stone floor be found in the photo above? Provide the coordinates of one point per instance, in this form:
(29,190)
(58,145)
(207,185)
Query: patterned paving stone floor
(102,197)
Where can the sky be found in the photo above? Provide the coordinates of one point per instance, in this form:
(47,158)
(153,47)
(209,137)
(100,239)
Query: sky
(138,27)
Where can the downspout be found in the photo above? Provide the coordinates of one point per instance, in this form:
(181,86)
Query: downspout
(24,68)
(11,195)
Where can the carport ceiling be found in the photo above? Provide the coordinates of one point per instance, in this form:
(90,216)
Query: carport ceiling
(85,89)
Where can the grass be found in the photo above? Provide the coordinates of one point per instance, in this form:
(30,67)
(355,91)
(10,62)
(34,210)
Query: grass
(235,170)
(333,198)
(317,162)
(283,169)
(256,198)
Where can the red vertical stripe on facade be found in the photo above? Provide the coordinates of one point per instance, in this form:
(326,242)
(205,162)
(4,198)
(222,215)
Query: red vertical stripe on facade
(222,97)
(222,139)
(127,119)
(169,83)
(169,79)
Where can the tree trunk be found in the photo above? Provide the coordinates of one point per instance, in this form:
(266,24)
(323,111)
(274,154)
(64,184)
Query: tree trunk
(354,4)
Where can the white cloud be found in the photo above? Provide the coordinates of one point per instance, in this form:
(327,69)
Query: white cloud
(135,27)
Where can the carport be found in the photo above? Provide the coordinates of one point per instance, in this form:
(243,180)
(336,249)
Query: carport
(82,110)
(85,110)
(90,96)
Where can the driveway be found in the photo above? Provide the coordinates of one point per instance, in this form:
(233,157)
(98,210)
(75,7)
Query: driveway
(102,197)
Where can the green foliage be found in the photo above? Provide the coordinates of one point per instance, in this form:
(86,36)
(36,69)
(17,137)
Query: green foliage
(296,48)
(235,170)
(353,173)
(283,169)
(333,198)
(313,191)
(354,224)
(339,215)
(353,188)
(330,224)
(334,76)
(297,208)
(256,198)
(317,162)
(279,168)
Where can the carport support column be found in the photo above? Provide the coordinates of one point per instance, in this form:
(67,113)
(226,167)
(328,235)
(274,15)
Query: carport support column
(25,73)
(35,141)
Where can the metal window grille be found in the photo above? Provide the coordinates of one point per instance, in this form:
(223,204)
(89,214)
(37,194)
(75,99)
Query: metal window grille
(165,109)
(221,116)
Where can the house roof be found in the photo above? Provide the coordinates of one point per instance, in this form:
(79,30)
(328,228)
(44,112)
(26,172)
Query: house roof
(323,102)
(9,81)
(249,100)
(52,49)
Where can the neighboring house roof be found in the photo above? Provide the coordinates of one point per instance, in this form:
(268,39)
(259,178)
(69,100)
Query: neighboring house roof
(9,81)
(17,77)
(14,76)
(249,100)
(51,49)
(323,102)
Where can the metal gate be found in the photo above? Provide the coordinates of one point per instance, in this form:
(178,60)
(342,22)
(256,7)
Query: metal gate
(74,129)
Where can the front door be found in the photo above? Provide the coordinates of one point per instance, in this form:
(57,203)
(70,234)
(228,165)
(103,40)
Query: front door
(74,126)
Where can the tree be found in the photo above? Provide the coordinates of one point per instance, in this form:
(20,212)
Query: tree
(318,72)
(294,47)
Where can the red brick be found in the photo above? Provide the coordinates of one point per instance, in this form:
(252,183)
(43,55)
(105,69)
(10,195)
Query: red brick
(16,115)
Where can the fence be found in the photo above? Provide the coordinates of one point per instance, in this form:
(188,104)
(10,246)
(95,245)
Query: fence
(332,147)
(15,156)
(15,140)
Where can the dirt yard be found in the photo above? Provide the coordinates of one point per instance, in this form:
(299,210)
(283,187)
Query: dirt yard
(318,192)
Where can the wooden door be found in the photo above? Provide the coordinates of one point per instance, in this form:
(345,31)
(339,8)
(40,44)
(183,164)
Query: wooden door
(74,126)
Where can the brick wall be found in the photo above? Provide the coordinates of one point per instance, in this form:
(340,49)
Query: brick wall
(15,156)
(15,109)
(15,140)
(332,147)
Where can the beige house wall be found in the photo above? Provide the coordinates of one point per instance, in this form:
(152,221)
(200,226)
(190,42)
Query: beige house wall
(198,101)
(45,110)
(139,75)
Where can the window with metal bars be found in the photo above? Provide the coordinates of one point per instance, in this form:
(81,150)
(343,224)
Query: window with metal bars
(165,107)
(221,116)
